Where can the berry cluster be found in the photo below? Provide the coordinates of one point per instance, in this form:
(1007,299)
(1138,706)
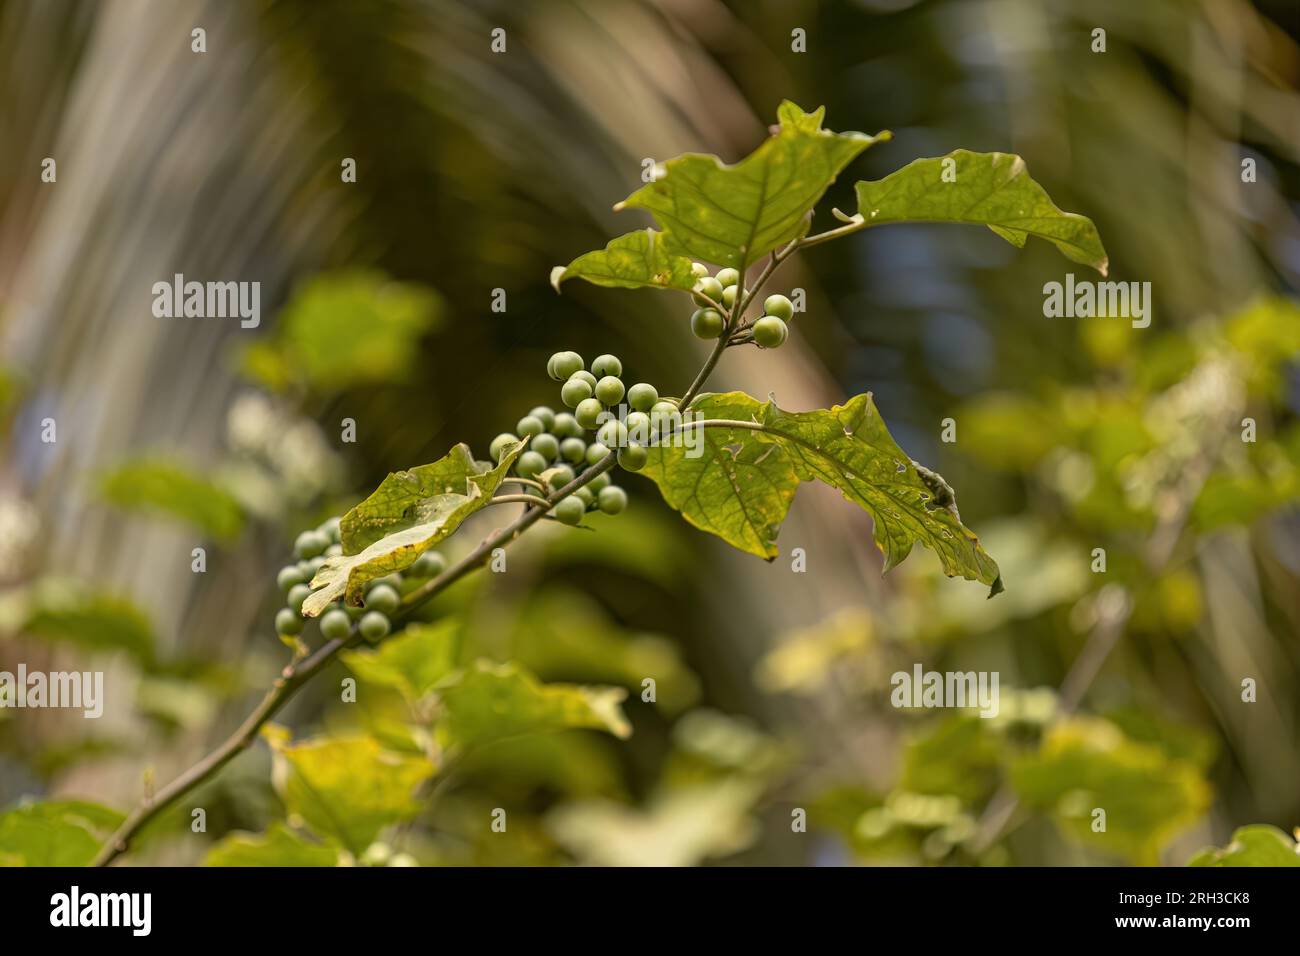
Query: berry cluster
(559,442)
(769,331)
(382,596)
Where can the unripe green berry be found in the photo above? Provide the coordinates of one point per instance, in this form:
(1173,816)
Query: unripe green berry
(770,332)
(779,306)
(529,464)
(566,426)
(632,457)
(428,565)
(587,495)
(374,626)
(588,412)
(612,434)
(561,475)
(586,377)
(638,426)
(297,594)
(642,396)
(309,544)
(545,415)
(310,567)
(600,481)
(700,269)
(330,528)
(570,510)
(610,390)
(728,277)
(573,449)
(707,323)
(564,364)
(335,625)
(383,599)
(528,426)
(287,622)
(393,580)
(596,452)
(498,446)
(548,446)
(289,575)
(574,391)
(604,365)
(706,289)
(611,500)
(729,295)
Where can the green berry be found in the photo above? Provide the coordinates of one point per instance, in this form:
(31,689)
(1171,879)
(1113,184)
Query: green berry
(642,396)
(706,289)
(530,463)
(700,269)
(570,510)
(611,500)
(609,390)
(498,446)
(297,594)
(546,415)
(393,580)
(587,495)
(632,457)
(729,295)
(600,481)
(596,452)
(586,377)
(612,434)
(374,626)
(309,568)
(564,364)
(779,306)
(428,565)
(309,544)
(289,576)
(566,426)
(728,277)
(707,323)
(573,449)
(638,426)
(561,475)
(335,625)
(330,528)
(770,332)
(604,365)
(383,599)
(548,446)
(588,412)
(528,426)
(574,392)
(287,621)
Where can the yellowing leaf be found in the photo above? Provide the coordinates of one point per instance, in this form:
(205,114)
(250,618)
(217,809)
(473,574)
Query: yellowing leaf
(278,846)
(411,662)
(1257,845)
(346,787)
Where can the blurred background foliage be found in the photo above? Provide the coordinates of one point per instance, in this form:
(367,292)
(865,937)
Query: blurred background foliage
(477,171)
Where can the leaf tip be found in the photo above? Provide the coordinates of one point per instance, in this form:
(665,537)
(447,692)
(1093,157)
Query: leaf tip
(996,588)
(557,276)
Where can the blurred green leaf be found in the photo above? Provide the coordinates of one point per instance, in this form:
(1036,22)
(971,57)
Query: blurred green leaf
(1267,333)
(1257,845)
(490,701)
(957,755)
(630,261)
(55,833)
(1087,763)
(342,330)
(424,521)
(346,787)
(412,661)
(990,189)
(155,484)
(278,846)
(67,610)
(734,215)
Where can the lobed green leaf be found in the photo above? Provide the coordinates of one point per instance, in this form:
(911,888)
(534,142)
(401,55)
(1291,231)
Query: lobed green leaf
(631,261)
(1256,845)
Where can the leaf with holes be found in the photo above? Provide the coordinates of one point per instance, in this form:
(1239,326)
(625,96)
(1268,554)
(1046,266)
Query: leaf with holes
(428,504)
(988,189)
